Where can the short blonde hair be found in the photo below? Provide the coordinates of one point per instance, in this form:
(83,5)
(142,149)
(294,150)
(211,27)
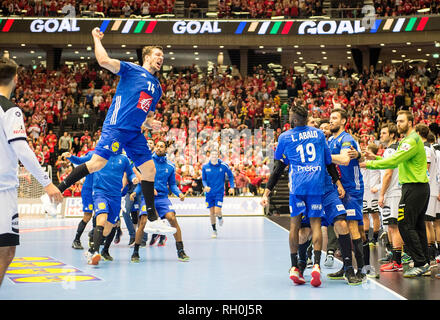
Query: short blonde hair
(147,50)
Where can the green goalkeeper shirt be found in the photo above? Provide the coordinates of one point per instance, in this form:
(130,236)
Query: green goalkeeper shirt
(410,158)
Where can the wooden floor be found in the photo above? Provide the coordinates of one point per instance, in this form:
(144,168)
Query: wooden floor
(248,261)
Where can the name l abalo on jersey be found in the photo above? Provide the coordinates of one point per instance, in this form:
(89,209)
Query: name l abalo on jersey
(305,135)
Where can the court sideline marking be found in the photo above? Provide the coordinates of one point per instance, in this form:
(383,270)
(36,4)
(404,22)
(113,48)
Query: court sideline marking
(339,261)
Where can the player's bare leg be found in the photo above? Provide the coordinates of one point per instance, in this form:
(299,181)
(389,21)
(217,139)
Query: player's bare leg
(6,256)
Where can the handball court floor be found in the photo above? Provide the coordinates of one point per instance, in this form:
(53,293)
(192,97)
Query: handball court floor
(248,261)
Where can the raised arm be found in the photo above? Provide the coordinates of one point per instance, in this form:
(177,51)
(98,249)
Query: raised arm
(101,55)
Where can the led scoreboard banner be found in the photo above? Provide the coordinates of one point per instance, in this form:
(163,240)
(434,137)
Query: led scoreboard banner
(221,27)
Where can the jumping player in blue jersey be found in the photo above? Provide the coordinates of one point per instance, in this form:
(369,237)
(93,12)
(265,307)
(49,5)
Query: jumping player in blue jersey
(86,197)
(133,106)
(305,151)
(343,146)
(213,179)
(107,188)
(165,178)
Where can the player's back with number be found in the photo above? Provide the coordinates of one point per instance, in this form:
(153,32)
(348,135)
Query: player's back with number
(137,93)
(306,152)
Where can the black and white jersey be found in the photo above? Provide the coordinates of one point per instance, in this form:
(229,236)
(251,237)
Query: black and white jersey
(394,189)
(431,158)
(12,128)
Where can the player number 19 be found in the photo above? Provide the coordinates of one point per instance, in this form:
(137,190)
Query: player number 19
(310,150)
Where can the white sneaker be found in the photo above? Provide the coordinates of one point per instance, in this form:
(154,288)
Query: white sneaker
(329,261)
(220,221)
(49,206)
(214,235)
(93,259)
(159,227)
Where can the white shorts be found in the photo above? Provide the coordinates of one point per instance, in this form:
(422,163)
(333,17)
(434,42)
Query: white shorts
(9,234)
(390,209)
(370,204)
(432,207)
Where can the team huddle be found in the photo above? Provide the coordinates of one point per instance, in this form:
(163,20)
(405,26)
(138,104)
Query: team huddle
(356,190)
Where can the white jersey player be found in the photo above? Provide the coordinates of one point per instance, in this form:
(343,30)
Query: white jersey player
(371,196)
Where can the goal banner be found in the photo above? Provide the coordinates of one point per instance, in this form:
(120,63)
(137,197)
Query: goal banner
(367,25)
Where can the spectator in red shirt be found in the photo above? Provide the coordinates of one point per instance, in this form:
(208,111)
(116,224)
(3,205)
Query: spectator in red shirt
(85,137)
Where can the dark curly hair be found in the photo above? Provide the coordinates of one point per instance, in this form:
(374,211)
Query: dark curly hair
(299,114)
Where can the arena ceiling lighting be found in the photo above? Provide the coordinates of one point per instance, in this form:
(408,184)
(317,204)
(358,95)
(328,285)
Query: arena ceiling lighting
(185,55)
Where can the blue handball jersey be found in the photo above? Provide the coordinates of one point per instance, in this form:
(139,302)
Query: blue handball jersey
(108,180)
(137,93)
(213,176)
(305,151)
(328,183)
(351,176)
(88,182)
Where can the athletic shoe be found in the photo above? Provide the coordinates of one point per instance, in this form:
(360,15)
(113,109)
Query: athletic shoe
(383,237)
(388,257)
(154,239)
(301,266)
(93,259)
(77,245)
(427,273)
(220,221)
(162,242)
(159,227)
(351,278)
(372,244)
(316,276)
(406,259)
(391,267)
(336,275)
(143,244)
(135,257)
(370,273)
(106,256)
(416,271)
(329,261)
(296,276)
(360,275)
(309,263)
(118,235)
(131,242)
(214,235)
(49,206)
(181,256)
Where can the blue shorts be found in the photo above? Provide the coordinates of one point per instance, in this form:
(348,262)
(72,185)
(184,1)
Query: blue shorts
(163,206)
(308,206)
(135,207)
(214,200)
(87,201)
(353,206)
(109,205)
(333,207)
(134,144)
